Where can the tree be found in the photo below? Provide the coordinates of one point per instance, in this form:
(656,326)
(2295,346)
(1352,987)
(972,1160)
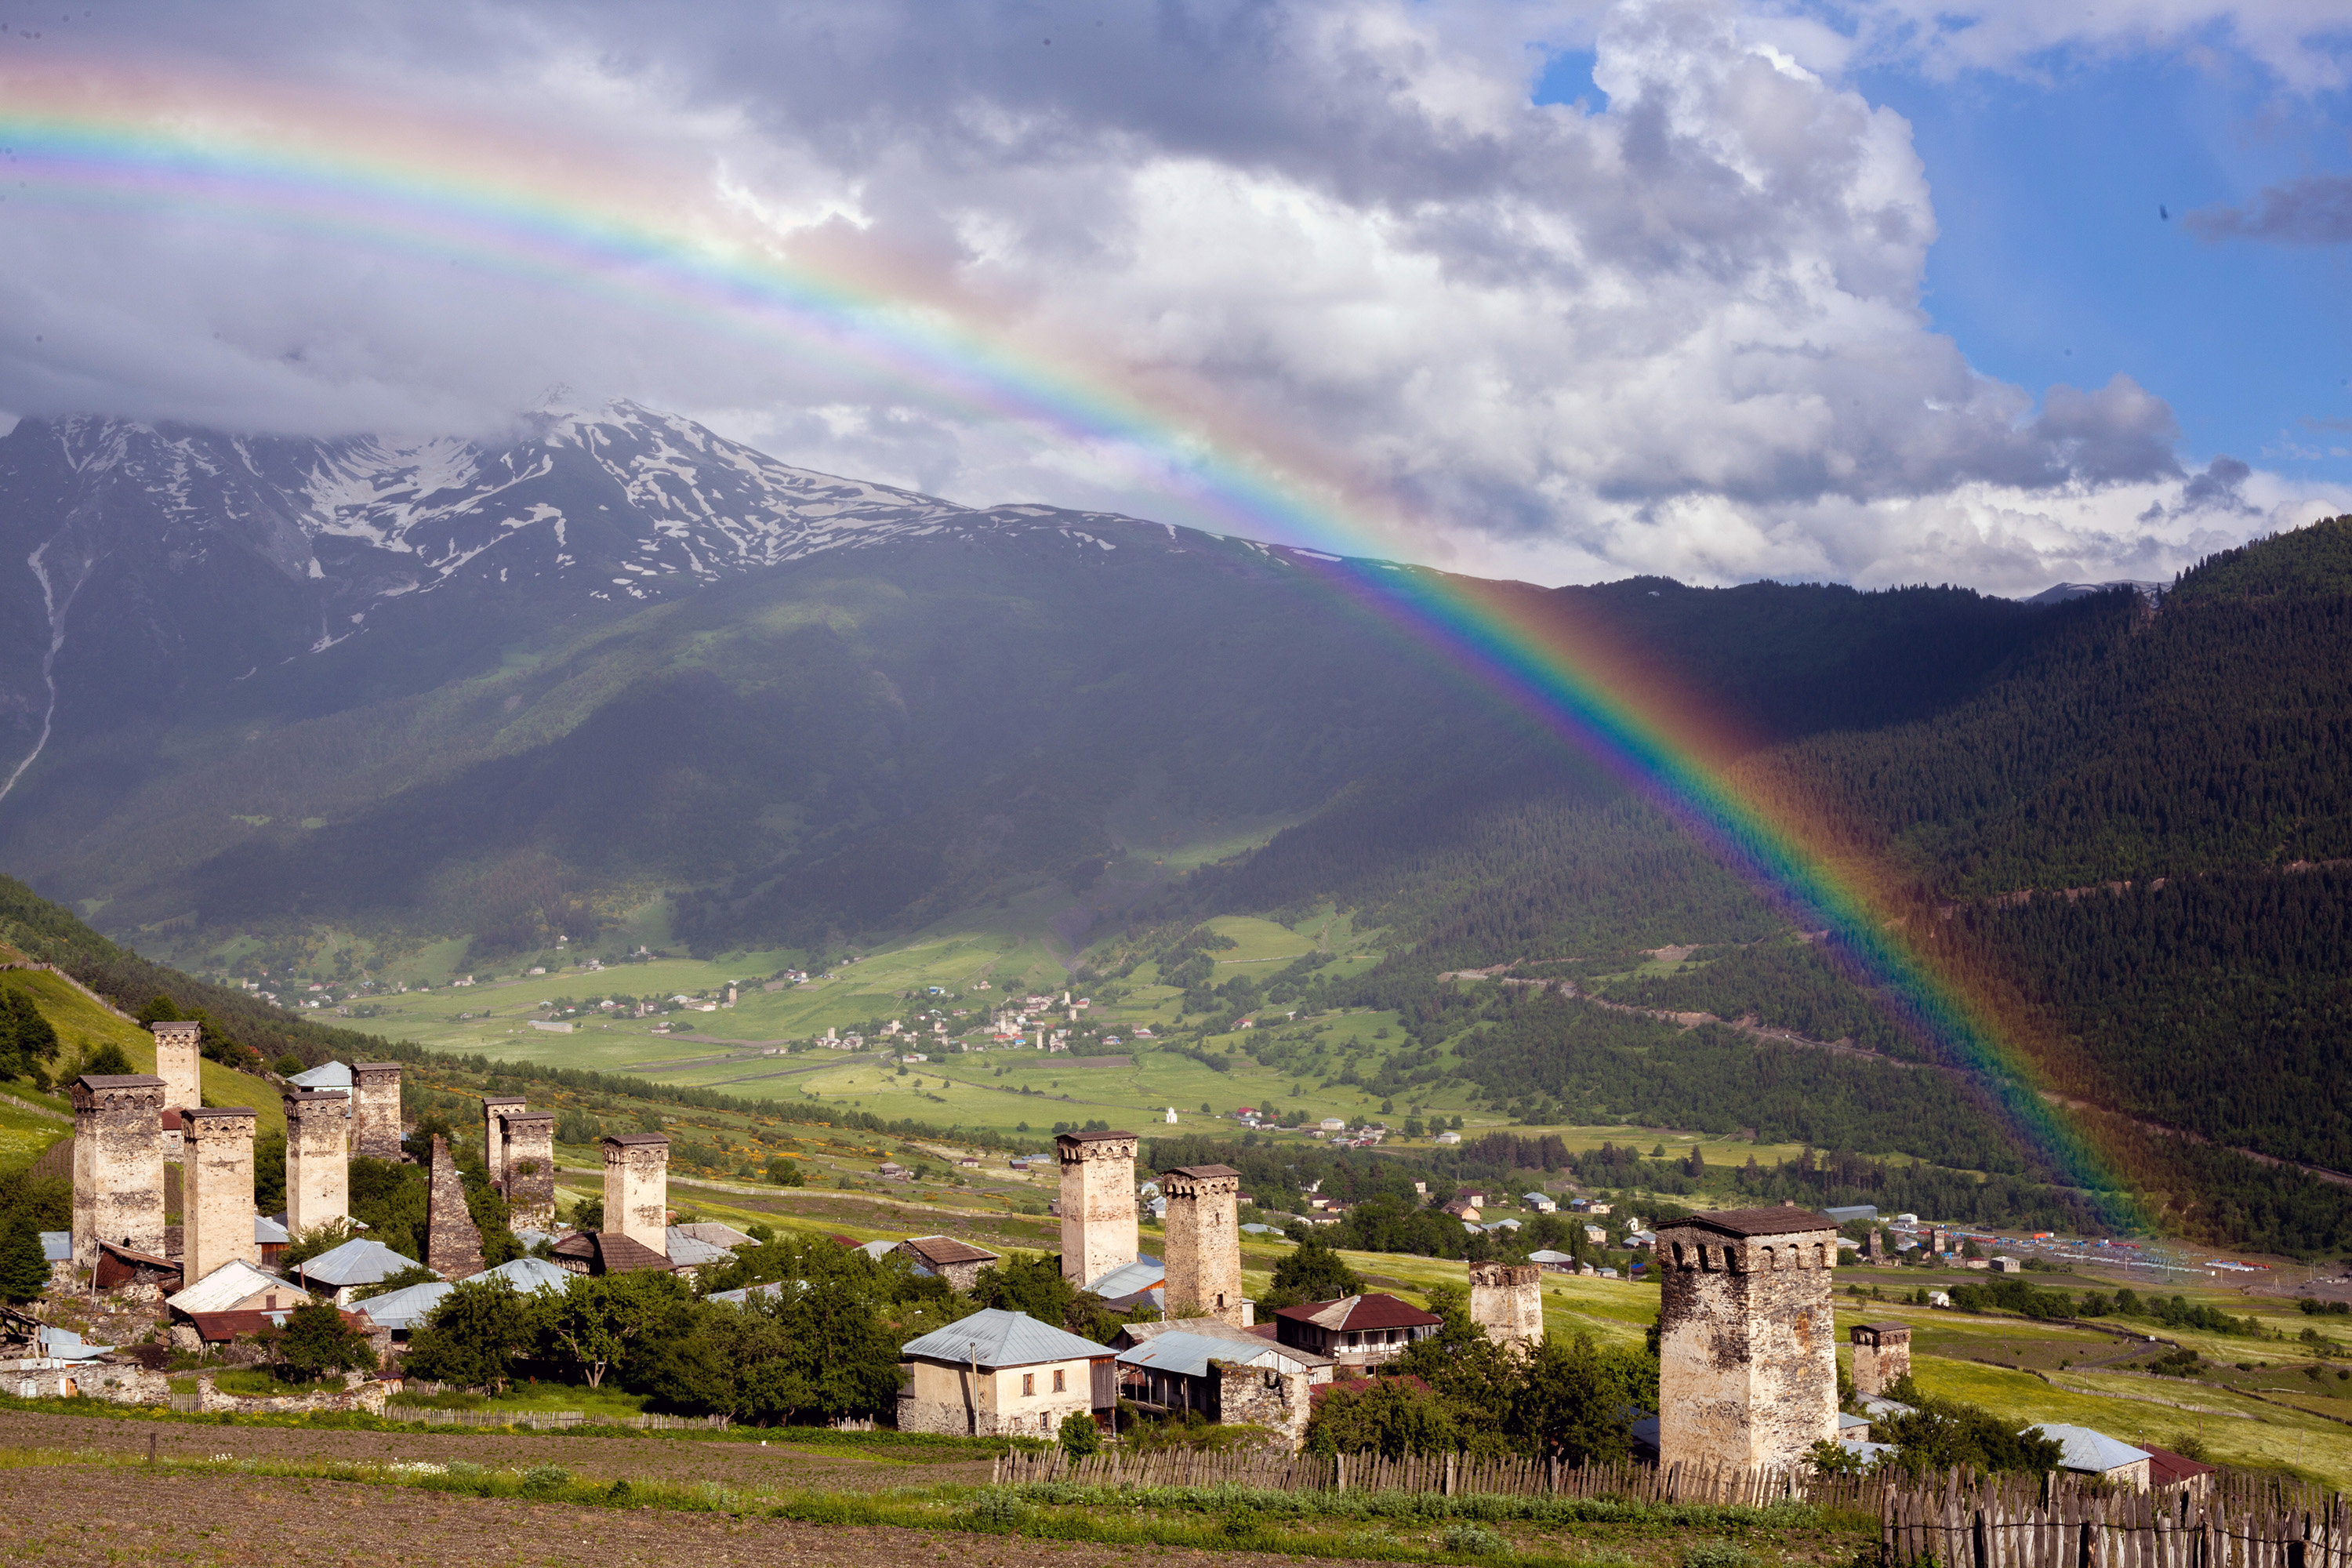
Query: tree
(598,1318)
(317,1339)
(23,1267)
(784,1173)
(588,1215)
(820,1352)
(1391,1417)
(27,1040)
(398,1280)
(472,1337)
(303,1246)
(1080,1435)
(1945,1434)
(108,1059)
(1574,1404)
(1312,1272)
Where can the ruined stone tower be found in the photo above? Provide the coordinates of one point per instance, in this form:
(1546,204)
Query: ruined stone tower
(636,1187)
(318,1163)
(118,1157)
(216,1170)
(1507,1300)
(179,1051)
(1882,1355)
(1097,1203)
(495,1109)
(453,1243)
(1747,1348)
(376,1109)
(1204,1240)
(530,1169)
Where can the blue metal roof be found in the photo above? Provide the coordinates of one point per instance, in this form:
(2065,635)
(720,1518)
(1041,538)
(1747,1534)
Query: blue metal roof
(995,1338)
(402,1310)
(1128,1279)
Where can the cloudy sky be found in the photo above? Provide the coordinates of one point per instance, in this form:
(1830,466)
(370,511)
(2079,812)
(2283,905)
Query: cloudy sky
(2001,292)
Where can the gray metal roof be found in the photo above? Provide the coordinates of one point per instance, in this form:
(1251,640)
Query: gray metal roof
(326,1075)
(739,1297)
(1190,1354)
(269,1232)
(692,1252)
(1129,1277)
(223,1287)
(1548,1255)
(2085,1449)
(363,1261)
(57,1245)
(406,1308)
(528,1274)
(998,1338)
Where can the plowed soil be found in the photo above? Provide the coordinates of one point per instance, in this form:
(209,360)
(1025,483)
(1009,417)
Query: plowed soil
(637,1459)
(75,1515)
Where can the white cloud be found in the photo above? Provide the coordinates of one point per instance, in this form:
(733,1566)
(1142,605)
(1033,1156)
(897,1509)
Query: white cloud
(1679,333)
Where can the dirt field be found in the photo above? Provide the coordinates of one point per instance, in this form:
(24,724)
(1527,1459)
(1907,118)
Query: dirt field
(644,1458)
(112,1516)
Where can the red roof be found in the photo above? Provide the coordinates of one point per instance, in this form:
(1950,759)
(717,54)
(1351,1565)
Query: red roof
(2166,1469)
(1376,1310)
(219,1328)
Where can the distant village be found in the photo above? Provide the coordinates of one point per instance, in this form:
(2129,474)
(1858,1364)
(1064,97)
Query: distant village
(1747,1342)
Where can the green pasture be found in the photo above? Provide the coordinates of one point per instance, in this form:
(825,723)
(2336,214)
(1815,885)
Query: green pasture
(25,1133)
(83,1025)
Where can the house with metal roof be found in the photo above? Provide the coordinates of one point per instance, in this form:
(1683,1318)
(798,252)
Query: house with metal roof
(750,1293)
(2093,1453)
(606,1252)
(326,1075)
(238,1287)
(956,1262)
(1553,1261)
(527,1275)
(1228,1379)
(997,1373)
(1320,1369)
(1141,1283)
(1357,1330)
(403,1311)
(341,1270)
(687,1253)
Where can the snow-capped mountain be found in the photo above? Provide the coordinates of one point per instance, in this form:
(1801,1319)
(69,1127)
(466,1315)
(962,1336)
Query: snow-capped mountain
(154,557)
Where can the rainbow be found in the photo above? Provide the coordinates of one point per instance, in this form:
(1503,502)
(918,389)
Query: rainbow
(489,196)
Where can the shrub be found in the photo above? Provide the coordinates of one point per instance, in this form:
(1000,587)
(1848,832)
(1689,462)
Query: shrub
(1477,1540)
(999,1508)
(1718,1555)
(1080,1435)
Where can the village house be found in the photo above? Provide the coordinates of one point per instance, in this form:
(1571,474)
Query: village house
(606,1252)
(956,1262)
(997,1373)
(1357,1330)
(344,1270)
(1228,1380)
(2092,1453)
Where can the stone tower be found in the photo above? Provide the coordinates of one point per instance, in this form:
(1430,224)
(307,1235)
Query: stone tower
(216,1166)
(1507,1300)
(118,1157)
(495,1109)
(1882,1355)
(1204,1241)
(1747,1348)
(376,1109)
(636,1187)
(453,1244)
(1097,1203)
(1876,1252)
(531,1168)
(317,1163)
(179,1048)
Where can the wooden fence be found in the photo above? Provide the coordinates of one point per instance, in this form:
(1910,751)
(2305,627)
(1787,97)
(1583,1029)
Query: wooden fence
(1449,1474)
(2024,1521)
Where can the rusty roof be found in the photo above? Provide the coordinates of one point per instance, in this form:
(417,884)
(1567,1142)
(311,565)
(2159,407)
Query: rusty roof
(1375,1310)
(1775,1221)
(1200,1173)
(941,1250)
(610,1252)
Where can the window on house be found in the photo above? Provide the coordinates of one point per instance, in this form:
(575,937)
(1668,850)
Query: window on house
(1057,1380)
(1028,1383)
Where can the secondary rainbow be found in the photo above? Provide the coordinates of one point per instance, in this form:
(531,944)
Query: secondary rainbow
(488,197)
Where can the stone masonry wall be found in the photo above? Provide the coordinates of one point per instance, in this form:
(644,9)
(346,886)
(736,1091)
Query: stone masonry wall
(1204,1253)
(495,1109)
(376,1109)
(1278,1401)
(117,1165)
(217,1207)
(1098,1227)
(1507,1300)
(530,1169)
(453,1243)
(1880,1360)
(636,1187)
(179,1048)
(317,1163)
(1748,1357)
